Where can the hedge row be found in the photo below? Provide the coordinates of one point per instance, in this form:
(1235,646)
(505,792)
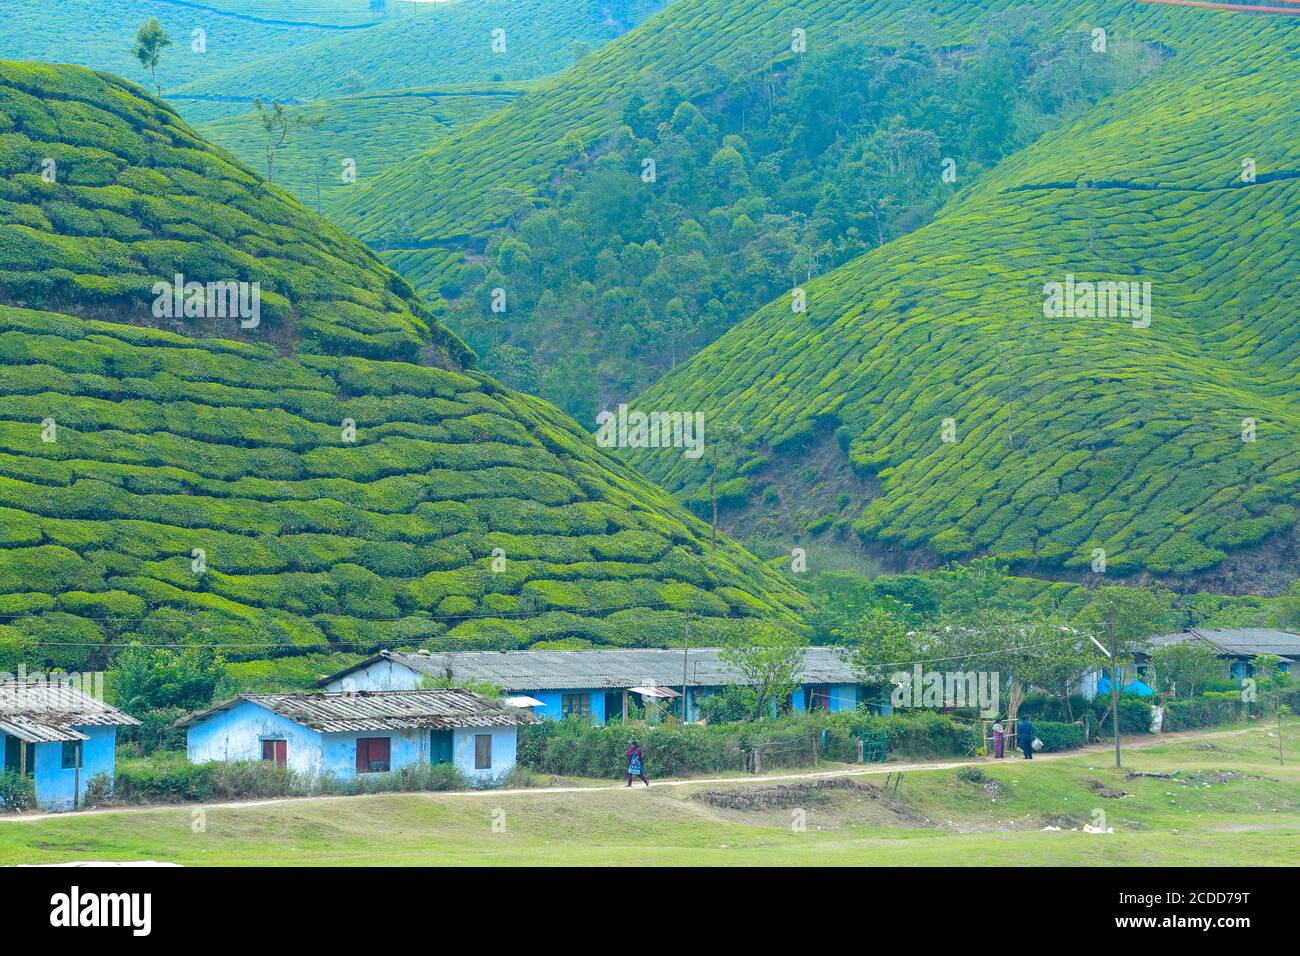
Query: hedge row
(578,748)
(170,778)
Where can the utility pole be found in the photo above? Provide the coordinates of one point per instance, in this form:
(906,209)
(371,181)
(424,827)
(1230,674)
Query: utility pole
(686,651)
(1114,690)
(1114,699)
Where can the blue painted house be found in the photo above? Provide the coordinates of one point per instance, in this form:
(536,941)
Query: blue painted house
(342,736)
(1236,647)
(598,685)
(58,736)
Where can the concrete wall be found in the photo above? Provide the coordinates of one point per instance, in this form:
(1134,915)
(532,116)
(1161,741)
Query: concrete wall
(504,741)
(381,675)
(237,734)
(552,702)
(60,789)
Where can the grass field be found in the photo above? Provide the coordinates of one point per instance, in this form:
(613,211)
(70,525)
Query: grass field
(937,818)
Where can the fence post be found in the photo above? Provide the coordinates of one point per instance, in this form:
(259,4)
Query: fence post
(861,756)
(758,761)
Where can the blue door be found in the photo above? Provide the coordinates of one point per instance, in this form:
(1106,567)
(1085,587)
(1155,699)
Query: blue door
(440,746)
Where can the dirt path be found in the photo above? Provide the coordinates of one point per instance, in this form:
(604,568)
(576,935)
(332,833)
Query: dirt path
(1129,743)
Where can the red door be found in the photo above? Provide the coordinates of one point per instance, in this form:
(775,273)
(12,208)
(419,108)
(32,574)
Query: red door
(276,751)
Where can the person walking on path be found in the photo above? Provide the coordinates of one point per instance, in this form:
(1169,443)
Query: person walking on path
(635,766)
(999,739)
(1025,737)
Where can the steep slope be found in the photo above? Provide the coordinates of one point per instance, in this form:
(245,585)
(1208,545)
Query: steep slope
(108,193)
(1173,448)
(452,42)
(294,495)
(759,185)
(361,135)
(445,194)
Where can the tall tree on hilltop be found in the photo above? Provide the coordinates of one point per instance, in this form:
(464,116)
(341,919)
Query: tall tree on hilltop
(150,40)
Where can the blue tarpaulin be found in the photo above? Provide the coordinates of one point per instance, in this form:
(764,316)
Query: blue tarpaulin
(1134,686)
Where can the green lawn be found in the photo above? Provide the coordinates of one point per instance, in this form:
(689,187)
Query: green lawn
(937,819)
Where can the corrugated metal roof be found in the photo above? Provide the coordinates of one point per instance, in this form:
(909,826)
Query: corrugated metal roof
(333,713)
(47,711)
(1236,641)
(632,667)
(1252,641)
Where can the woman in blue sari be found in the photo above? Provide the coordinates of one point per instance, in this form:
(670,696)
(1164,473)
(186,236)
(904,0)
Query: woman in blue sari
(635,767)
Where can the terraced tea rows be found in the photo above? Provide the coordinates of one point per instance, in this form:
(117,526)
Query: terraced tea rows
(455,42)
(100,36)
(358,136)
(105,193)
(1173,448)
(460,511)
(295,495)
(447,191)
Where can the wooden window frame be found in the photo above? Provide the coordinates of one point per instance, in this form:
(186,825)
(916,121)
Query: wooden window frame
(280,759)
(583,709)
(366,765)
(76,755)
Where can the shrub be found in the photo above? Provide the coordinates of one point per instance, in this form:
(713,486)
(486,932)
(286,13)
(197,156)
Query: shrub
(157,731)
(251,778)
(99,789)
(520,778)
(726,705)
(1201,712)
(409,779)
(167,779)
(17,792)
(1056,735)
(1134,713)
(576,748)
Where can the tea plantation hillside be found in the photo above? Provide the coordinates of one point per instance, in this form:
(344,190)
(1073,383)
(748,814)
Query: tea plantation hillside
(101,35)
(293,493)
(106,192)
(931,405)
(453,191)
(358,136)
(331,13)
(452,42)
(614,281)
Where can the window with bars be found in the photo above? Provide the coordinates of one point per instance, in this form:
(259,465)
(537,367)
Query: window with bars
(575,705)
